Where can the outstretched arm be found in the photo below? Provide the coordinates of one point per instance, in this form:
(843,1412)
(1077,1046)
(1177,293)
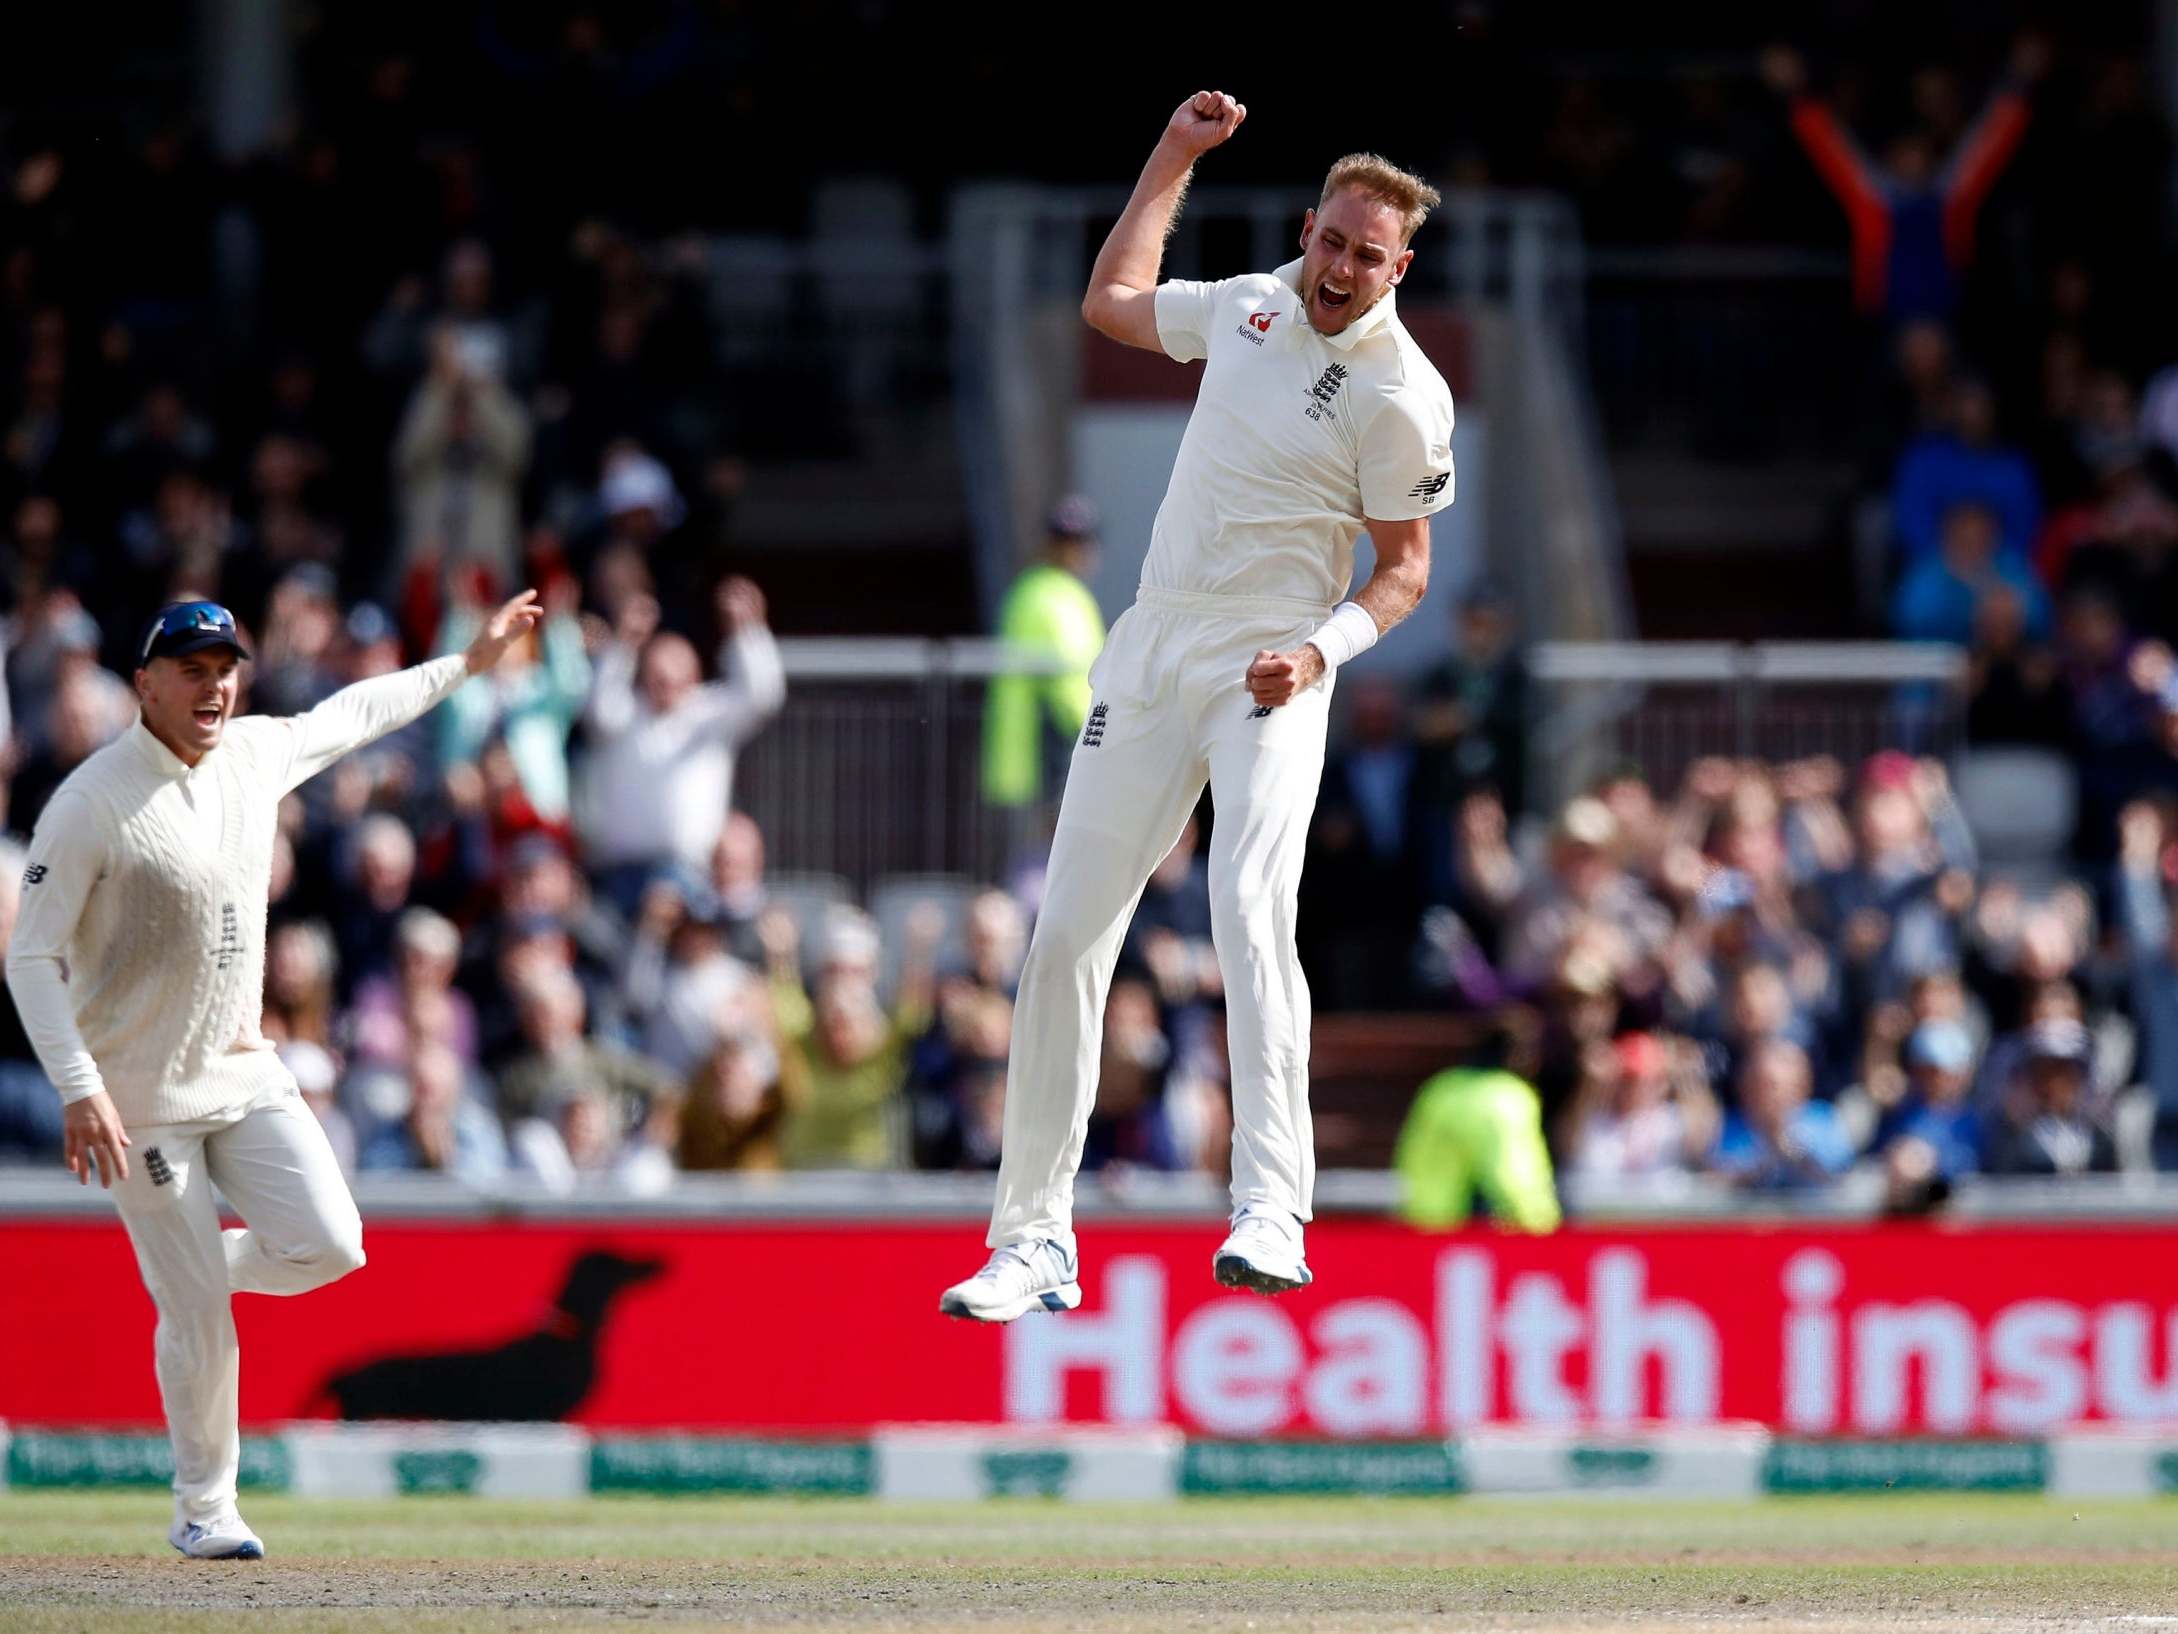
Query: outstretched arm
(358,714)
(1122,297)
(1987,147)
(1845,170)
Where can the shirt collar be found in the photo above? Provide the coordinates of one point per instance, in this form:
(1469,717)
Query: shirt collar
(162,760)
(1354,333)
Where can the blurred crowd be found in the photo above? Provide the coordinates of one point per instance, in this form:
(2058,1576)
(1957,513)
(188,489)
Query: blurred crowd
(1773,973)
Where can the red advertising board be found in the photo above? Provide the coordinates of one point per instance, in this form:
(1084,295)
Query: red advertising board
(834,1327)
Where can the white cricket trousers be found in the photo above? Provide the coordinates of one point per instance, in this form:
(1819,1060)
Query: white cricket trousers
(274,1165)
(1170,711)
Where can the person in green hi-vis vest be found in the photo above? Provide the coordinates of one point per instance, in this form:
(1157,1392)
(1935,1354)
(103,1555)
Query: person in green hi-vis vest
(1476,1129)
(1030,721)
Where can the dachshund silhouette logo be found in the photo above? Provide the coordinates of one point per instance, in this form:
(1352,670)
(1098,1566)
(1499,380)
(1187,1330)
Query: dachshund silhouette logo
(537,1378)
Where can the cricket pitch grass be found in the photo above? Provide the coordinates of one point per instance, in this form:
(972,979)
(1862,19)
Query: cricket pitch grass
(99,1562)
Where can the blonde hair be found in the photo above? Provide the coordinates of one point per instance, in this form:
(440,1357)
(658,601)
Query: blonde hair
(1380,180)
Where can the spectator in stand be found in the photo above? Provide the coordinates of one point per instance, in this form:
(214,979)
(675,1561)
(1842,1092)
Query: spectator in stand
(683,991)
(300,966)
(663,739)
(843,1057)
(1476,1134)
(382,870)
(2149,930)
(162,434)
(541,882)
(1585,882)
(2016,692)
(80,720)
(54,643)
(530,703)
(2050,1122)
(394,1013)
(1757,1008)
(950,1069)
(403,340)
(1127,1125)
(295,657)
(1965,465)
(1644,1114)
(445,1129)
(459,460)
(1486,879)
(559,1060)
(731,1109)
(397,769)
(1945,597)
(2116,685)
(1933,1136)
(1031,721)
(1888,895)
(1362,888)
(2159,412)
(1776,1138)
(737,880)
(1470,710)
(581,1142)
(1912,218)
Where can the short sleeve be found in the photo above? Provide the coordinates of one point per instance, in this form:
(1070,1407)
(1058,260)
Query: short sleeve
(1184,310)
(1406,457)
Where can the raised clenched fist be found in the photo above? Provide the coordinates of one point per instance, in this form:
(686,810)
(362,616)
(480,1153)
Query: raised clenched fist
(1204,120)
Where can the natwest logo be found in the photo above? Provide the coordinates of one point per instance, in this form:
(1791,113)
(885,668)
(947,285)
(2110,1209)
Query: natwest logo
(1261,321)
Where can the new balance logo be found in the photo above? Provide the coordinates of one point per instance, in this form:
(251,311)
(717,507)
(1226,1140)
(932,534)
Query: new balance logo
(155,1165)
(1259,712)
(1430,487)
(34,873)
(1092,732)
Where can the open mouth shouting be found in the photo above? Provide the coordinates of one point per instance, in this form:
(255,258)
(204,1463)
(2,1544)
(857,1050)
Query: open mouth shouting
(207,717)
(1332,300)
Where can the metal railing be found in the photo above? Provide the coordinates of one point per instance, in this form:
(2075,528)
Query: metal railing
(1664,705)
(874,765)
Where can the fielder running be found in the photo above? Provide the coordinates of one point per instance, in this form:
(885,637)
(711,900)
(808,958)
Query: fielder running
(1317,417)
(138,963)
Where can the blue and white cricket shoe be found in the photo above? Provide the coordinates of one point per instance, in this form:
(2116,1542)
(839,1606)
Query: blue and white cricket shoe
(1020,1277)
(1263,1254)
(223,1537)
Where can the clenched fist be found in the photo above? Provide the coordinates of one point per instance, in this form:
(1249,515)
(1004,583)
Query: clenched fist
(1204,120)
(1276,678)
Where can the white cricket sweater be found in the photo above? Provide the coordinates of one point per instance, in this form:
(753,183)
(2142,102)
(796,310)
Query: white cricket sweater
(138,957)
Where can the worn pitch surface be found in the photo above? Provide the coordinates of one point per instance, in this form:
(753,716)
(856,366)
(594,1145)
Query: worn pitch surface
(417,1566)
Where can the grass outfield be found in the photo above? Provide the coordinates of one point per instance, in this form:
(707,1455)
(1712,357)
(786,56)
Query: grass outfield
(88,1562)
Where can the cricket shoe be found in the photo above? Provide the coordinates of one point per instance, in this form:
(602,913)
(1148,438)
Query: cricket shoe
(1263,1254)
(223,1537)
(1019,1277)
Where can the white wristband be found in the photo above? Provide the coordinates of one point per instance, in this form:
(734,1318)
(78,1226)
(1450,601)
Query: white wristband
(1346,634)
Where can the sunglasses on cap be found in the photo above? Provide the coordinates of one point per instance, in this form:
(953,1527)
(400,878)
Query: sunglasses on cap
(189,626)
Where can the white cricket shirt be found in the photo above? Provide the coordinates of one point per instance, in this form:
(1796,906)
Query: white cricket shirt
(138,956)
(1295,439)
